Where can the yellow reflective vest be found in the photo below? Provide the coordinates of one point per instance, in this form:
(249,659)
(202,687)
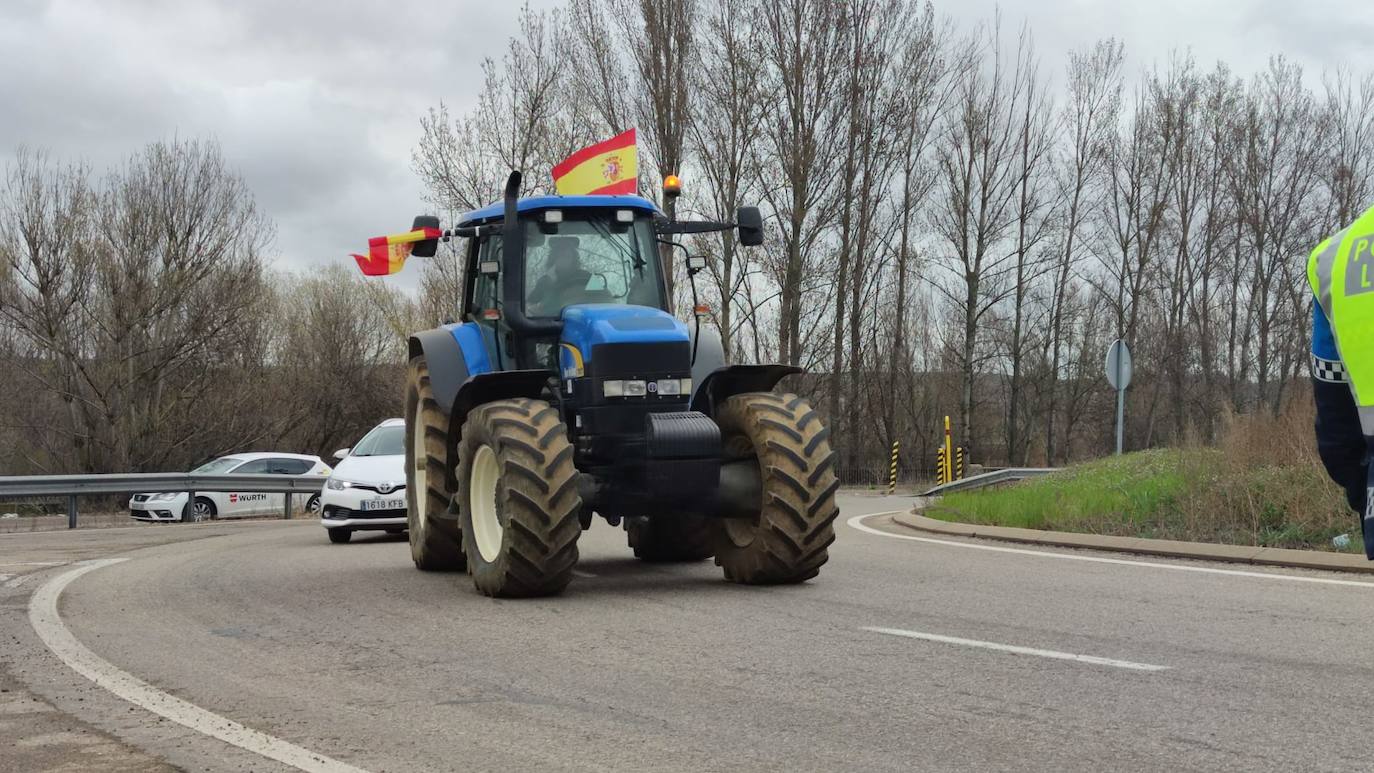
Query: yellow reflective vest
(1341,271)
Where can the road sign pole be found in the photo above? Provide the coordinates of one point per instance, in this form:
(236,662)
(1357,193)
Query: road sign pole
(1120,418)
(1119,376)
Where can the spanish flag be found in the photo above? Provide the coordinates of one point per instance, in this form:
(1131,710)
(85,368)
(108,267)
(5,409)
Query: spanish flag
(387,254)
(607,168)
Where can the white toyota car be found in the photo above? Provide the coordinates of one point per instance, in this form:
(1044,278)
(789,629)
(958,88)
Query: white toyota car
(172,506)
(367,490)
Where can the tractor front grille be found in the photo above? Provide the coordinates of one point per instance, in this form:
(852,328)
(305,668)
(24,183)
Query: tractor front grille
(639,360)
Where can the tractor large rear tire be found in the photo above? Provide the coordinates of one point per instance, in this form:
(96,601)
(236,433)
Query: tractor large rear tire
(671,538)
(787,541)
(435,542)
(518,499)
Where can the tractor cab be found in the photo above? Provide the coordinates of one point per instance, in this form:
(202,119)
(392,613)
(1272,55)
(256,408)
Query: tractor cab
(576,259)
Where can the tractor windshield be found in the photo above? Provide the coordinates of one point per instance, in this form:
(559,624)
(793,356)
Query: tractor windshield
(590,260)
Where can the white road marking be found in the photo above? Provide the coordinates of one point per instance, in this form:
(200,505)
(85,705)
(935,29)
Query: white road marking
(33,563)
(17,581)
(987,645)
(857,523)
(54,633)
(580,573)
(4,578)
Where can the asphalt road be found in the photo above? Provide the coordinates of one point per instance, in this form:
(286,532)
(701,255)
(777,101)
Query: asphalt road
(1021,659)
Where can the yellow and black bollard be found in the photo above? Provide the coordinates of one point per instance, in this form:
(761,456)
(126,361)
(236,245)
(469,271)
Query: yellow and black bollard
(940,467)
(949,455)
(892,471)
(959,463)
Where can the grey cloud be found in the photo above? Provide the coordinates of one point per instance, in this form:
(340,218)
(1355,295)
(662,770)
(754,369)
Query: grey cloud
(318,104)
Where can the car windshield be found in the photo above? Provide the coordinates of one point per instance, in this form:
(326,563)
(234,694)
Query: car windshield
(382,441)
(590,261)
(220,465)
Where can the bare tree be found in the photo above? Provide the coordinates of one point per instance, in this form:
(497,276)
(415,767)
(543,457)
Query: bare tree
(804,44)
(1090,115)
(139,327)
(1034,211)
(723,134)
(521,122)
(976,210)
(1278,174)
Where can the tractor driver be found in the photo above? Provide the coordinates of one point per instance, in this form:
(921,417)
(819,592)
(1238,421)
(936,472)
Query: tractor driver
(564,280)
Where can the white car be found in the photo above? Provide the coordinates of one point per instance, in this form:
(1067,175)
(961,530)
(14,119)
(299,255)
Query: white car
(367,490)
(172,506)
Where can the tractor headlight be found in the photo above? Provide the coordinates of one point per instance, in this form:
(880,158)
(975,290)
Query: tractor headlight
(338,485)
(623,388)
(674,386)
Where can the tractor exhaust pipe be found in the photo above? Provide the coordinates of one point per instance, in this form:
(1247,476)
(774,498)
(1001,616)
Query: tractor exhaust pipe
(513,271)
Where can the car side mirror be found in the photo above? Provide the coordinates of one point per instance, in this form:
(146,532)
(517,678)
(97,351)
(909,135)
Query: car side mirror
(750,224)
(342,453)
(428,247)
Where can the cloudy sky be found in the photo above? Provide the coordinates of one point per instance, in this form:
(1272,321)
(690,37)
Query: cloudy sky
(318,103)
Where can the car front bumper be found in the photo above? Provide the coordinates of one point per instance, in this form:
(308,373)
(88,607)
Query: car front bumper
(349,519)
(344,509)
(157,509)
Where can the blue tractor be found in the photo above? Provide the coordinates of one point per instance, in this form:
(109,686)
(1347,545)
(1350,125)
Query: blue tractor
(571,393)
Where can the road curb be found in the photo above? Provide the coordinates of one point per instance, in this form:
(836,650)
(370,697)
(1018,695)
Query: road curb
(1235,554)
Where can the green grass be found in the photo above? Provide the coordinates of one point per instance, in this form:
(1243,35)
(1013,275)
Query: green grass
(1185,494)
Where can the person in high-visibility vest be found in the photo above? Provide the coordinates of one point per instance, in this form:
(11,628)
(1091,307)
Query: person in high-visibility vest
(1341,271)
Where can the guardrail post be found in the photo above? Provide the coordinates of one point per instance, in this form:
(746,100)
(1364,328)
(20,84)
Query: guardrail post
(71,511)
(286,511)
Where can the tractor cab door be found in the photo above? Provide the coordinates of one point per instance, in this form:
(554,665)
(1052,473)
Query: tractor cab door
(486,307)
(484,302)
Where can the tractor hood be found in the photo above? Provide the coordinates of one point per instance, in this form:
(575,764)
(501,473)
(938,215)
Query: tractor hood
(588,325)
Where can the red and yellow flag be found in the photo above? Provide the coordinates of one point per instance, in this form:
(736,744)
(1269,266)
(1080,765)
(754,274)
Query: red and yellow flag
(387,254)
(608,167)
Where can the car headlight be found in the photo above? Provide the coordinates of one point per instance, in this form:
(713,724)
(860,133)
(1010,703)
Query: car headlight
(165,496)
(338,485)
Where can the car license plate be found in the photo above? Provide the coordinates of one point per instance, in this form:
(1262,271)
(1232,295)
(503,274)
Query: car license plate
(384,504)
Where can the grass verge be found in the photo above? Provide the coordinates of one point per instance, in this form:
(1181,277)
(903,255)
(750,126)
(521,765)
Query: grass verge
(1251,490)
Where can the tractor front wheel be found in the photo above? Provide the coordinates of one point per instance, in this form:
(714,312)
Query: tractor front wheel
(518,502)
(435,544)
(787,540)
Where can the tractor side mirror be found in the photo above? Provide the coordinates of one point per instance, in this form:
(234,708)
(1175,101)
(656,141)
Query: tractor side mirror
(426,248)
(750,224)
(342,453)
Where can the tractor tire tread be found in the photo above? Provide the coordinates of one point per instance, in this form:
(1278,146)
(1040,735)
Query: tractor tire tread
(540,516)
(436,545)
(789,541)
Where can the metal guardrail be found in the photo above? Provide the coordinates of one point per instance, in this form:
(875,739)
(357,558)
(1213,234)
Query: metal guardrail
(73,486)
(1005,475)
